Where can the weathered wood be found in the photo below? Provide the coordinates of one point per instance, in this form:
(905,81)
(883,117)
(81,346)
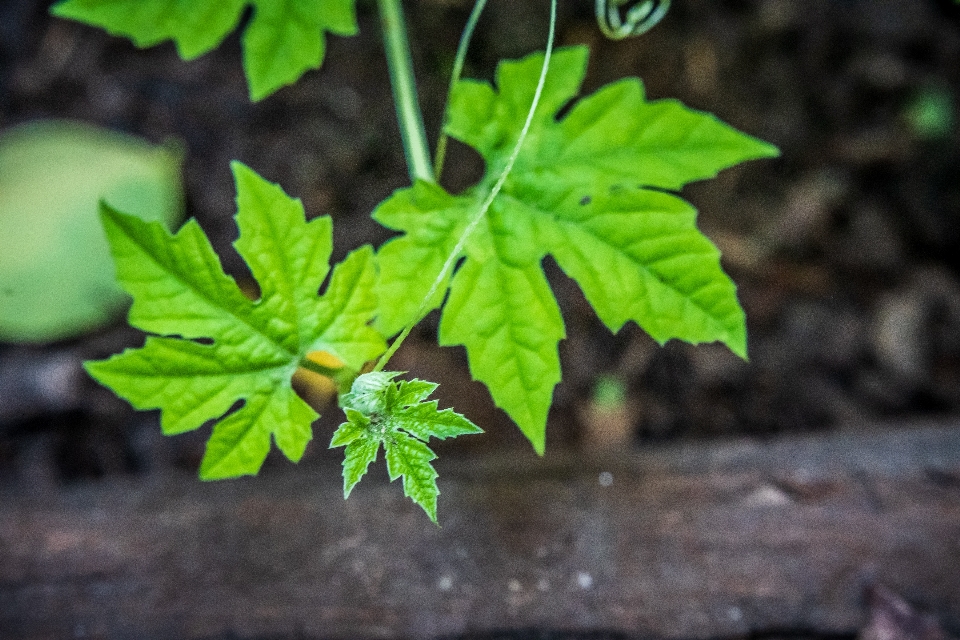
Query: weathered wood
(702,540)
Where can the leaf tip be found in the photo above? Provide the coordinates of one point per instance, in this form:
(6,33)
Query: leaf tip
(767,150)
(107,212)
(738,345)
(539,447)
(94,369)
(242,173)
(211,472)
(259,92)
(348,487)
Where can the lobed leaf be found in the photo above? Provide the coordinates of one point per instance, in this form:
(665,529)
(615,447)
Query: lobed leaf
(283,39)
(180,289)
(588,189)
(397,415)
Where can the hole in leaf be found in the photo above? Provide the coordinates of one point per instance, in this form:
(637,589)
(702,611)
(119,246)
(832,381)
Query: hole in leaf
(565,109)
(249,287)
(463,168)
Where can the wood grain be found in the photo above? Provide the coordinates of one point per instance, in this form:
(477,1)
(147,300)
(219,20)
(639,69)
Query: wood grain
(705,540)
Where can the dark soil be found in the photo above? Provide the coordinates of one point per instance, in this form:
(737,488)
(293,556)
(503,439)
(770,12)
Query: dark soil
(846,249)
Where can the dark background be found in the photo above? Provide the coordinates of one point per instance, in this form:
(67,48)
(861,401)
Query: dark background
(846,249)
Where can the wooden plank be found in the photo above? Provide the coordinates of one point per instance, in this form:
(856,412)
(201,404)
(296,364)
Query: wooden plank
(704,540)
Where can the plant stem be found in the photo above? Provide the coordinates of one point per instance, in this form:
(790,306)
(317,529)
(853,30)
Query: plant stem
(409,116)
(458,63)
(487,202)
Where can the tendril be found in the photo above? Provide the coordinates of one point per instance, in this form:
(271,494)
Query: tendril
(458,63)
(638,19)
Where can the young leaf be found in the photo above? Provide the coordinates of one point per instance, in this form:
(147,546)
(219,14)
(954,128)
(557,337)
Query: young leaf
(179,289)
(396,415)
(283,40)
(588,189)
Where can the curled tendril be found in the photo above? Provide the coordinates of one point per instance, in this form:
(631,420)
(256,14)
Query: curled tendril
(639,18)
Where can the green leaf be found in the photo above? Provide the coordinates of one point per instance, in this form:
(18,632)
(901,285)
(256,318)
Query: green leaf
(425,421)
(284,39)
(56,276)
(352,430)
(588,189)
(397,415)
(410,459)
(411,392)
(179,289)
(356,460)
(408,265)
(510,324)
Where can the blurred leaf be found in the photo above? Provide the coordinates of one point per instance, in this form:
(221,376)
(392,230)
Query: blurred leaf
(930,113)
(609,393)
(56,274)
(281,41)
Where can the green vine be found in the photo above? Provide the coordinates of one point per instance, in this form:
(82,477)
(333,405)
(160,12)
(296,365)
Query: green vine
(590,181)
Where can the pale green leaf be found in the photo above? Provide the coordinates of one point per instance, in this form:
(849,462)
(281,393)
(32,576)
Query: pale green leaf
(179,289)
(411,392)
(396,414)
(284,38)
(356,425)
(56,276)
(366,395)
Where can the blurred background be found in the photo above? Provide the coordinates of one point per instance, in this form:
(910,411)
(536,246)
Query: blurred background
(846,249)
(846,252)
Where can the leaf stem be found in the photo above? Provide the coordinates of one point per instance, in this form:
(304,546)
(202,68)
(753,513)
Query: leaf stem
(487,202)
(458,63)
(409,116)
